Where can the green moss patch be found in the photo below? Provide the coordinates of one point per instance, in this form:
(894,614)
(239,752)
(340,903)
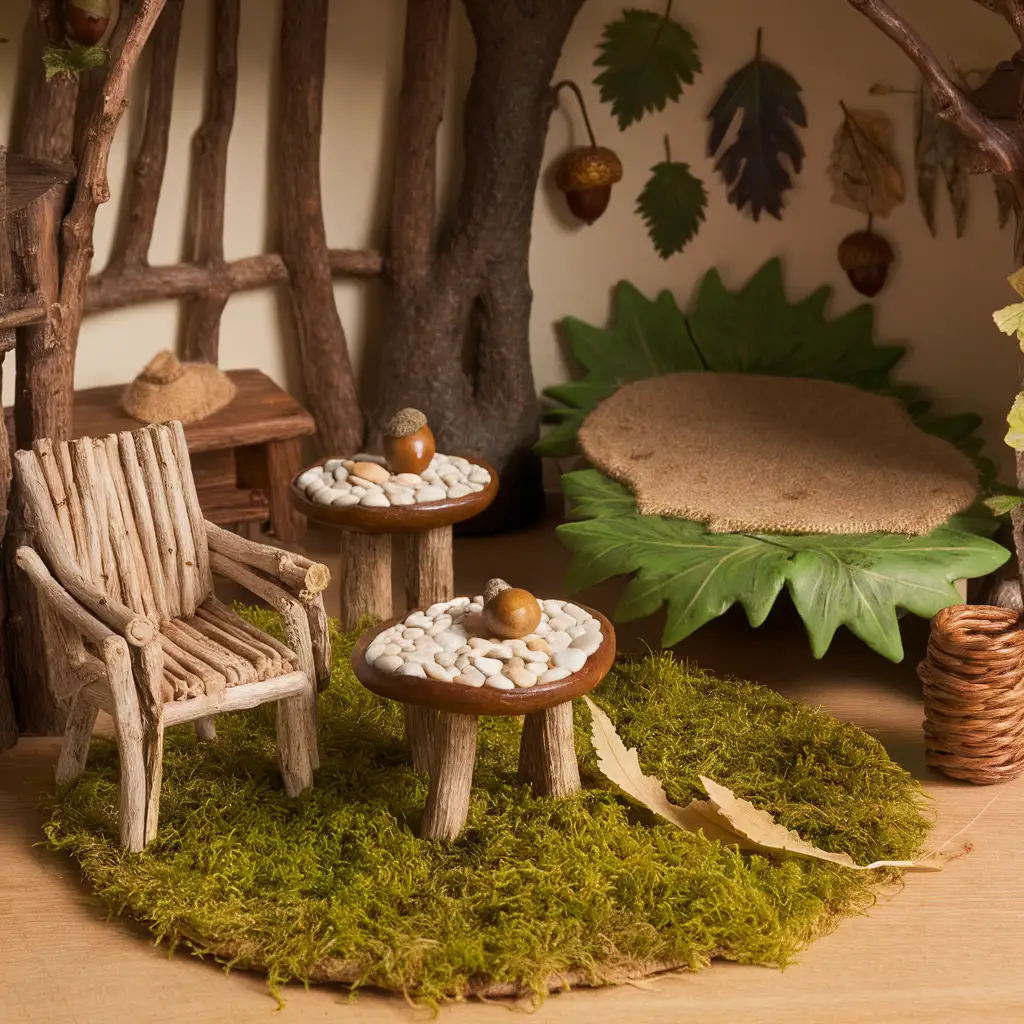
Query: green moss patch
(336,885)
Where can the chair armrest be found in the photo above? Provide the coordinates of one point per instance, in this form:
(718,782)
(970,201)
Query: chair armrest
(306,579)
(72,611)
(136,629)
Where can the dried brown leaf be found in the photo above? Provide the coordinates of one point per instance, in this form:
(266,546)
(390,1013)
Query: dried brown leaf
(1005,202)
(940,148)
(864,172)
(724,816)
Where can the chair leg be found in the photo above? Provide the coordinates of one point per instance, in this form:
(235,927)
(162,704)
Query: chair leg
(154,778)
(128,727)
(293,753)
(74,749)
(205,728)
(312,724)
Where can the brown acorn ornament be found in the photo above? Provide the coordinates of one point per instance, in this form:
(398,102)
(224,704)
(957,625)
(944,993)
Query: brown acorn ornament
(586,175)
(408,442)
(509,612)
(865,257)
(86,21)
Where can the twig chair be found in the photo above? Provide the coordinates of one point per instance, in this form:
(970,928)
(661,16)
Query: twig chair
(123,562)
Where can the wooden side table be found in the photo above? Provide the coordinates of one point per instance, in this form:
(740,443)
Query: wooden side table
(547,752)
(243,456)
(366,567)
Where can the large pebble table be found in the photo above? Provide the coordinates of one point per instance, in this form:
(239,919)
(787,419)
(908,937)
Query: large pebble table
(456,698)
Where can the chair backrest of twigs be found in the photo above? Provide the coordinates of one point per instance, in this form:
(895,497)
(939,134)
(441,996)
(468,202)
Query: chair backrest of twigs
(125,508)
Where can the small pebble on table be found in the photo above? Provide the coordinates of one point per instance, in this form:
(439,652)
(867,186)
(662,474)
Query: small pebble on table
(446,642)
(365,480)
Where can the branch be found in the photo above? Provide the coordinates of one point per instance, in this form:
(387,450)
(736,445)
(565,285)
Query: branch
(92,187)
(950,102)
(135,230)
(1013,13)
(184,280)
(323,351)
(20,310)
(420,110)
(206,213)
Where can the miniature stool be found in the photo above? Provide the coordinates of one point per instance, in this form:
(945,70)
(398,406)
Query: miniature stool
(547,754)
(366,566)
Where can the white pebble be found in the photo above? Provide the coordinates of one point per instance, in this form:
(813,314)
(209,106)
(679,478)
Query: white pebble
(553,607)
(458,602)
(479,643)
(500,651)
(375,651)
(325,495)
(403,497)
(388,663)
(445,658)
(538,668)
(305,479)
(431,494)
(437,609)
(479,475)
(438,672)
(553,675)
(476,487)
(460,463)
(441,623)
(420,620)
(489,666)
(413,668)
(592,625)
(341,475)
(588,643)
(392,649)
(575,631)
(571,658)
(475,607)
(535,657)
(426,643)
(576,612)
(418,656)
(469,676)
(458,491)
(374,500)
(345,500)
(462,661)
(332,464)
(561,621)
(542,629)
(558,641)
(413,480)
(450,640)
(412,632)
(359,492)
(499,682)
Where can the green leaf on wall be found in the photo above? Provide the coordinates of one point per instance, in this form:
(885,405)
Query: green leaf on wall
(672,205)
(857,581)
(647,58)
(766,99)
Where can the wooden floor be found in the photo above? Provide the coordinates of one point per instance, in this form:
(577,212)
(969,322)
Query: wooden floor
(947,948)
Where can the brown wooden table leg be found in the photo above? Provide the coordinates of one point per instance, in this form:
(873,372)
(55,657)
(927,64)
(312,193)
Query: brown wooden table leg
(451,777)
(547,752)
(284,461)
(429,579)
(365,577)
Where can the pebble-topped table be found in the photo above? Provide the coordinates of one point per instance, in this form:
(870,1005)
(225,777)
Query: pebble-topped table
(441,658)
(367,513)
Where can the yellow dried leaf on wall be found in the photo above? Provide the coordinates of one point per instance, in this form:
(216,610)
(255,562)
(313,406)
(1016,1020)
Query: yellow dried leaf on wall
(863,169)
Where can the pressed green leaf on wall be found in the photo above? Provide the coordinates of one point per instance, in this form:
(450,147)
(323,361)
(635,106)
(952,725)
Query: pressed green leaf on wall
(672,206)
(647,59)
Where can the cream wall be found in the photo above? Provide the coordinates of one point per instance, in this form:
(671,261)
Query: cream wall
(941,291)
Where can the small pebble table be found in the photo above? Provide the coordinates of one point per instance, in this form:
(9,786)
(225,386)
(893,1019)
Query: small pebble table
(547,753)
(365,574)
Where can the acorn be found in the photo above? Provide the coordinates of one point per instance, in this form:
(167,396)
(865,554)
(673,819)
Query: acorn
(86,21)
(509,612)
(408,442)
(586,175)
(865,257)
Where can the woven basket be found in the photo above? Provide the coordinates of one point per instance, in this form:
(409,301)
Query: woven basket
(973,676)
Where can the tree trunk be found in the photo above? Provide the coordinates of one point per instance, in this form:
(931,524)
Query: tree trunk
(457,342)
(327,371)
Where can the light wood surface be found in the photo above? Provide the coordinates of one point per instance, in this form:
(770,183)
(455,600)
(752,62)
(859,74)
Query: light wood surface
(947,948)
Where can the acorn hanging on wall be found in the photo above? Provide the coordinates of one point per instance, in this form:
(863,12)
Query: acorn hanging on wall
(866,177)
(586,174)
(86,21)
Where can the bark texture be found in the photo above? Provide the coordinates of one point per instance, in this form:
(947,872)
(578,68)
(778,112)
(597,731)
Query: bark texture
(327,371)
(457,342)
(1000,146)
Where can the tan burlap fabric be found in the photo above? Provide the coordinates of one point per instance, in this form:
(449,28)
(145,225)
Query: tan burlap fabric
(746,453)
(171,390)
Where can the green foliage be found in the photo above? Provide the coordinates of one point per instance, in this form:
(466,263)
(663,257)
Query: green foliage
(672,206)
(1003,504)
(647,58)
(74,60)
(1015,421)
(853,580)
(533,886)
(768,100)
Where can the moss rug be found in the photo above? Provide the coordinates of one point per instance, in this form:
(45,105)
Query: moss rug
(536,893)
